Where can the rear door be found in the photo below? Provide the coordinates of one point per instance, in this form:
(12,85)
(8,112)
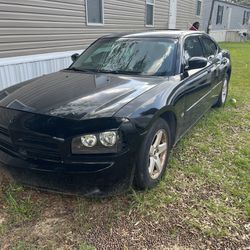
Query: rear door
(197,82)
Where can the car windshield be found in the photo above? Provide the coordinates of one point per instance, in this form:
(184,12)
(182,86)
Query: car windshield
(137,56)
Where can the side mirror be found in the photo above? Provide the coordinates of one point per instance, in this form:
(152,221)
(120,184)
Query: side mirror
(196,63)
(226,53)
(74,57)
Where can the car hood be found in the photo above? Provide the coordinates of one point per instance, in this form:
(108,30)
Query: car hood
(76,95)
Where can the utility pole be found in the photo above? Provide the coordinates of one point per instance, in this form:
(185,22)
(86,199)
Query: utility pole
(210,17)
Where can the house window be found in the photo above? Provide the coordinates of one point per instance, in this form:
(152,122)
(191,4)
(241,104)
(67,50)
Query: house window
(94,12)
(220,11)
(198,8)
(246,17)
(150,12)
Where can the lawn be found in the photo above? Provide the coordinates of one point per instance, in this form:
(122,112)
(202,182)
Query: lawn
(203,201)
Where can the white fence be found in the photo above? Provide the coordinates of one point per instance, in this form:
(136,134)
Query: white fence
(14,70)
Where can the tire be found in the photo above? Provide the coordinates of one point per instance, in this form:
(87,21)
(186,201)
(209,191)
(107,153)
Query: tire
(223,94)
(149,170)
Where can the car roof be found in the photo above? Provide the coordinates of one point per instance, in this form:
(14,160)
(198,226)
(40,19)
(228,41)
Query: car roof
(155,34)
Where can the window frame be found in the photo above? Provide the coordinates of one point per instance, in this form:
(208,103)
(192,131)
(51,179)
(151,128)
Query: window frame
(202,38)
(219,18)
(146,5)
(244,17)
(200,10)
(87,15)
(183,59)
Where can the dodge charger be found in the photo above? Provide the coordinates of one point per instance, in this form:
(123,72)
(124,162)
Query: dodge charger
(110,120)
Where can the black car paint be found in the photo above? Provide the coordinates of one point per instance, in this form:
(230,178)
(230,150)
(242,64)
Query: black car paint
(40,117)
(77,95)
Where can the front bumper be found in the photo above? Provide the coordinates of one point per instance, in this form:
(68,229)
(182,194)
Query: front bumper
(31,152)
(112,178)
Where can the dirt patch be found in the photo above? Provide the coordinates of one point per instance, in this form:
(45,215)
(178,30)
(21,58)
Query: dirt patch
(47,227)
(5,177)
(2,220)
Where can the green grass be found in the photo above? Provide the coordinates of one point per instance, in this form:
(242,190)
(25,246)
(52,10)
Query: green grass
(21,245)
(20,208)
(204,196)
(85,246)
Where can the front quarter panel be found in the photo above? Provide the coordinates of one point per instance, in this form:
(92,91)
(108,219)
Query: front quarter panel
(166,97)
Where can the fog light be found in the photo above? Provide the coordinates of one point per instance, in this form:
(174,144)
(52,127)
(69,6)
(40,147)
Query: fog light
(89,141)
(108,139)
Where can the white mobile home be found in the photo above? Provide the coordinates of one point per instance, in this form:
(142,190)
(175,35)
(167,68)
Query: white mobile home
(227,20)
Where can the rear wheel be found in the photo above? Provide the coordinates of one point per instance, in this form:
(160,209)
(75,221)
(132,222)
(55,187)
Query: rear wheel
(223,94)
(153,155)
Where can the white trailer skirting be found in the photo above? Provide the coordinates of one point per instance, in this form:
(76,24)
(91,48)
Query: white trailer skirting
(14,70)
(228,35)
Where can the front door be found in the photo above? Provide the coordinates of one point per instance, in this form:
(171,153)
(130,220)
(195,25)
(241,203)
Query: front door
(197,83)
(172,14)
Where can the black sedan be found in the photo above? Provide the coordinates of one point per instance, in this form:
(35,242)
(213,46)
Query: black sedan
(111,119)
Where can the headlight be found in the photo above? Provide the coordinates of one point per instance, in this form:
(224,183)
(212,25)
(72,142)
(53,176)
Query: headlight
(108,139)
(99,143)
(89,141)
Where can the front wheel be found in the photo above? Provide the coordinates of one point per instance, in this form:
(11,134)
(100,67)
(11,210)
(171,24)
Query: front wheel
(223,94)
(153,155)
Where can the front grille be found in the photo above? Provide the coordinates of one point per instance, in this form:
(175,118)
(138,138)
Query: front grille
(4,131)
(5,141)
(38,147)
(27,145)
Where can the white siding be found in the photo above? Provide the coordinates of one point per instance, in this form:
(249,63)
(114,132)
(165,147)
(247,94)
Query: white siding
(186,14)
(236,17)
(42,26)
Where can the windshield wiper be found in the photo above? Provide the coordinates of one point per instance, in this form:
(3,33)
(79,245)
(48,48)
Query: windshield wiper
(82,70)
(105,71)
(120,72)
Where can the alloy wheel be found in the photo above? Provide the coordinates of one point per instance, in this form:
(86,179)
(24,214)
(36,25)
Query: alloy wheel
(224,91)
(157,154)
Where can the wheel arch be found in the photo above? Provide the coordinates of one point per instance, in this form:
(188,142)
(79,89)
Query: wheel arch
(168,114)
(228,72)
(170,118)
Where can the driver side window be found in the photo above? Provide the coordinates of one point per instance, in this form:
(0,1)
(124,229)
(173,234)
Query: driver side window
(210,48)
(192,48)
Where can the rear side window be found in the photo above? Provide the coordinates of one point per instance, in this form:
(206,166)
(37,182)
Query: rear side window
(210,48)
(192,48)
